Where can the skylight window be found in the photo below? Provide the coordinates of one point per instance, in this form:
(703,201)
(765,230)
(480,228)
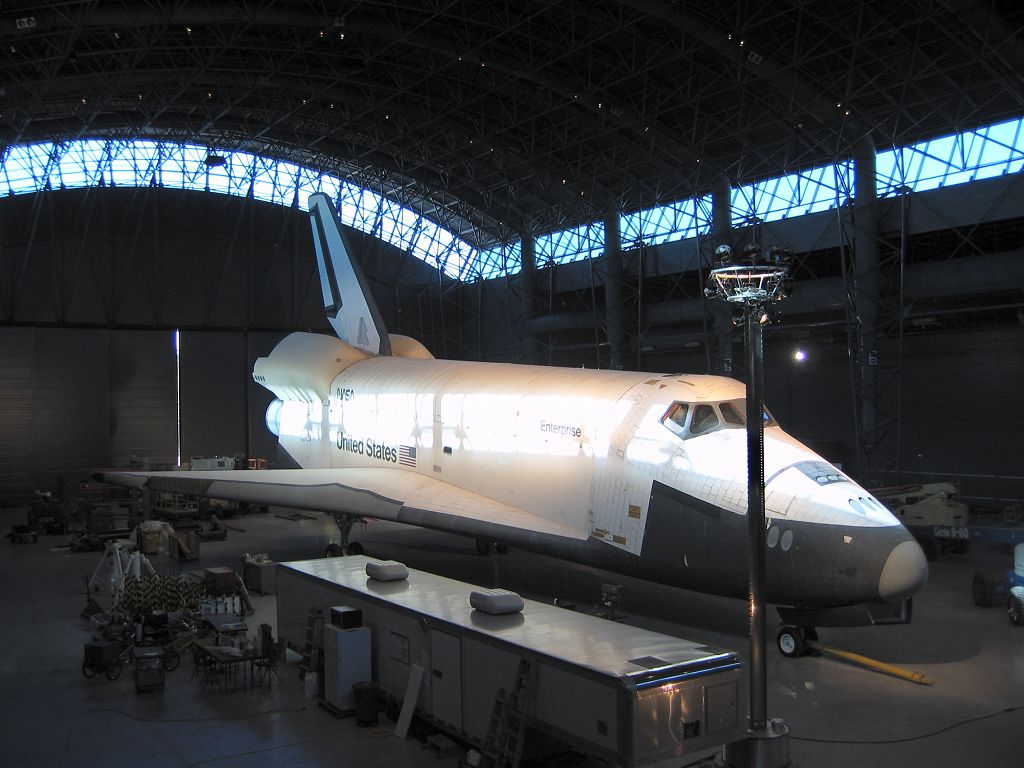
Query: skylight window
(990,151)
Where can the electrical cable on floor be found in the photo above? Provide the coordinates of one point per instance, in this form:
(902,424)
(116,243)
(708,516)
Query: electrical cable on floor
(1005,711)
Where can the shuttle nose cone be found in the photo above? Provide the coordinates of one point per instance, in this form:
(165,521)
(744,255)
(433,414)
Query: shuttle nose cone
(904,573)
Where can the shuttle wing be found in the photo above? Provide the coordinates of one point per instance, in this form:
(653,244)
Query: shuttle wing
(383,493)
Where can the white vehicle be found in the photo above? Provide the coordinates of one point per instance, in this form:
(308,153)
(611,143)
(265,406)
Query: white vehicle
(639,473)
(932,512)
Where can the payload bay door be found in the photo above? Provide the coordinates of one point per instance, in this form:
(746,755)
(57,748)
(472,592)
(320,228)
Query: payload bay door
(446,677)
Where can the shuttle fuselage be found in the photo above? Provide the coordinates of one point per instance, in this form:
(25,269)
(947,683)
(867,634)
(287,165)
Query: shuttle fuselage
(597,452)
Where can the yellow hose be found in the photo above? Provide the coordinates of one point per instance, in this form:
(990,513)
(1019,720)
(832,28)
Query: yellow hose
(878,666)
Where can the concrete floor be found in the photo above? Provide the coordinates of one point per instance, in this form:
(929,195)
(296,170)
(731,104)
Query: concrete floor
(840,715)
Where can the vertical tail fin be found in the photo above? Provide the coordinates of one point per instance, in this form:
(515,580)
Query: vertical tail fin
(348,303)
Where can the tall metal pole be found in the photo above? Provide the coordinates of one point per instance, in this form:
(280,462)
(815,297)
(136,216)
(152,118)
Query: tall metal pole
(754,283)
(755,517)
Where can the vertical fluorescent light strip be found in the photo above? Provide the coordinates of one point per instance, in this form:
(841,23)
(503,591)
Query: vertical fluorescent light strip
(177,391)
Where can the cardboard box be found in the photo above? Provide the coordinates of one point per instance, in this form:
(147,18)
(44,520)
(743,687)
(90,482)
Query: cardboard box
(220,581)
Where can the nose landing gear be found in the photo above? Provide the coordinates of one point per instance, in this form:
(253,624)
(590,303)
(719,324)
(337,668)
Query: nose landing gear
(794,642)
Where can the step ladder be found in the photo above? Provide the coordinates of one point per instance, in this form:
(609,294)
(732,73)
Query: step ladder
(243,593)
(313,650)
(504,743)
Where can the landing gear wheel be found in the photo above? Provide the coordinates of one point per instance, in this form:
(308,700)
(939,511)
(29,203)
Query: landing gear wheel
(982,589)
(501,549)
(792,642)
(333,550)
(88,670)
(483,547)
(355,548)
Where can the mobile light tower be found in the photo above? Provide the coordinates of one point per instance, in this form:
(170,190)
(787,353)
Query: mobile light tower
(753,283)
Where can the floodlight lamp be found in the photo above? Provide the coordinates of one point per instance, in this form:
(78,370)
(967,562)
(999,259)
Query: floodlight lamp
(750,281)
(799,355)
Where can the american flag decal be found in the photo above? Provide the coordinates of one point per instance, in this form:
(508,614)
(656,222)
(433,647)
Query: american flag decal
(407,455)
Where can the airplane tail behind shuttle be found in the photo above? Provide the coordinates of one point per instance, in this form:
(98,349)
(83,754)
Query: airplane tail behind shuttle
(348,302)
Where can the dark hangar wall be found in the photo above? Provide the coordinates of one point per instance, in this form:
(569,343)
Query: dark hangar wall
(93,284)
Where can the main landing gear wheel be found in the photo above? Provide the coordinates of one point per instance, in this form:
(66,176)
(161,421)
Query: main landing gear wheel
(795,642)
(337,550)
(346,547)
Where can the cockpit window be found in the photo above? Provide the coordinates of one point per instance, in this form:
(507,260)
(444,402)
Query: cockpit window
(675,418)
(704,420)
(692,420)
(732,415)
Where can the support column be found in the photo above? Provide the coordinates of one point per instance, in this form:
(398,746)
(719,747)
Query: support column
(613,288)
(529,274)
(755,517)
(867,293)
(721,234)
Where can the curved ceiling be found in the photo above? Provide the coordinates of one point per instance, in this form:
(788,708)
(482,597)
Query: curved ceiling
(495,119)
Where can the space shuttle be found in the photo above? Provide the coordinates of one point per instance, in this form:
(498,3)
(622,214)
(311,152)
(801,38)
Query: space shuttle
(643,474)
